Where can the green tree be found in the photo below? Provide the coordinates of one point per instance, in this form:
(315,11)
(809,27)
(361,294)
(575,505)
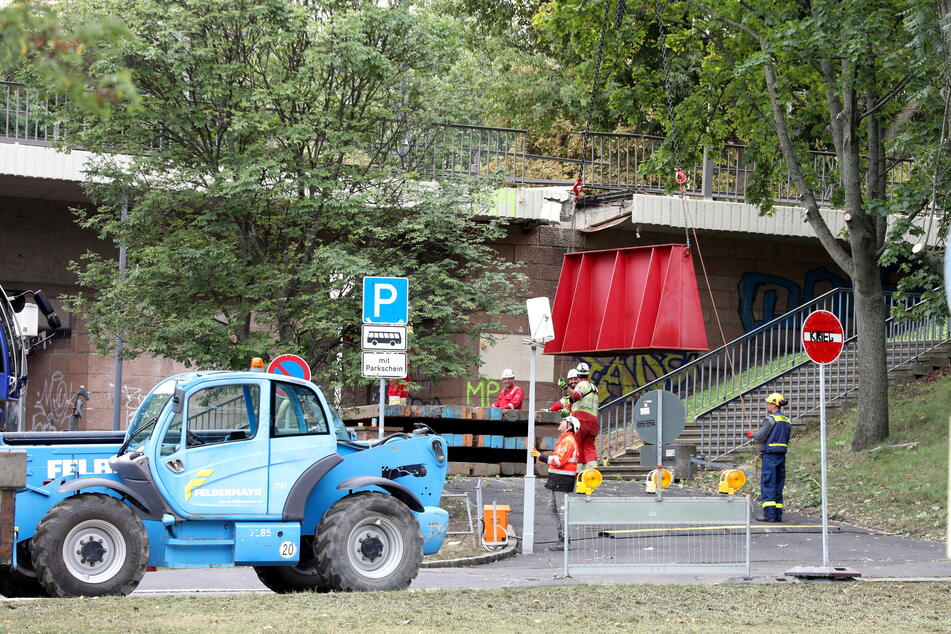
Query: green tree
(279,156)
(866,79)
(36,44)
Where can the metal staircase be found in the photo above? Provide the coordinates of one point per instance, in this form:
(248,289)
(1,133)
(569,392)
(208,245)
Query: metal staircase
(723,390)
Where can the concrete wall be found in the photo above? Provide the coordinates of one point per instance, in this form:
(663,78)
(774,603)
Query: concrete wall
(754,278)
(38,239)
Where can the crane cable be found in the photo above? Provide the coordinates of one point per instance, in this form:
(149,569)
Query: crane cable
(681,178)
(619,8)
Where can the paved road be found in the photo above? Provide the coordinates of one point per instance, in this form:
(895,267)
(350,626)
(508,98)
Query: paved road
(774,550)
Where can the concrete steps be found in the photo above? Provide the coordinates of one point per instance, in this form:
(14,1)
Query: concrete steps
(627,465)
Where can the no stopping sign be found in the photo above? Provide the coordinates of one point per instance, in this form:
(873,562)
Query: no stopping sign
(822,336)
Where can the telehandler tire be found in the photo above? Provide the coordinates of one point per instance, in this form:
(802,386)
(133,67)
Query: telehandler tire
(304,577)
(369,541)
(90,545)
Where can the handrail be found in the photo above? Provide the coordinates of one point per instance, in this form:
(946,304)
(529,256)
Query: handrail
(742,338)
(715,385)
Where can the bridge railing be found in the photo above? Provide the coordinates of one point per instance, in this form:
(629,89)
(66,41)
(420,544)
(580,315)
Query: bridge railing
(612,161)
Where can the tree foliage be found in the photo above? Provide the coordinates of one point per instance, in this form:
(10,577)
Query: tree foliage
(38,45)
(844,99)
(279,156)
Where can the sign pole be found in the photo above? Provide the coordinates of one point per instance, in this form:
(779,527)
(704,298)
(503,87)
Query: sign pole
(528,518)
(382,401)
(822,451)
(659,473)
(823,339)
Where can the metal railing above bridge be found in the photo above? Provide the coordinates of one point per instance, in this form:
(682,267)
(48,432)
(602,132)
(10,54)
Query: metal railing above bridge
(613,161)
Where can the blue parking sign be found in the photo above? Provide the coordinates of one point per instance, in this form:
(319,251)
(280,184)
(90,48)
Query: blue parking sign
(385,300)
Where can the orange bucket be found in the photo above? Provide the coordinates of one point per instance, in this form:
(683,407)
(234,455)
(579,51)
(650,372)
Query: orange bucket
(495,519)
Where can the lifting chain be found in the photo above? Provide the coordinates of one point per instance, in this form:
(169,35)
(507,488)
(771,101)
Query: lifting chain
(619,8)
(680,176)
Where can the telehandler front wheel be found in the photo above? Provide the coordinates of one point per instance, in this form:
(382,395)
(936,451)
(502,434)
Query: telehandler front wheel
(369,541)
(90,545)
(304,577)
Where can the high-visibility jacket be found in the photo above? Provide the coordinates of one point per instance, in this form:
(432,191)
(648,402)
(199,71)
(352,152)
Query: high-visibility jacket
(774,434)
(509,398)
(585,398)
(564,458)
(564,403)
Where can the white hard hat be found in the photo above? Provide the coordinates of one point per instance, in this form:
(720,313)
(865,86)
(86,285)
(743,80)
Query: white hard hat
(508,374)
(583,369)
(572,374)
(574,422)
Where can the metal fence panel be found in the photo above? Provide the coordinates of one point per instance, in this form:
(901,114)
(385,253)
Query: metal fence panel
(683,535)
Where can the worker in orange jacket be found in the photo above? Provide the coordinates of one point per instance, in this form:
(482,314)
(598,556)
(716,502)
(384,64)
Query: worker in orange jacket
(584,406)
(562,471)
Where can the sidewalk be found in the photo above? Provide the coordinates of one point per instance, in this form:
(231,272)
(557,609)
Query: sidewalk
(775,548)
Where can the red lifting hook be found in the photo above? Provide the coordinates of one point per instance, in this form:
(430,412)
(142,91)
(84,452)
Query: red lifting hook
(681,177)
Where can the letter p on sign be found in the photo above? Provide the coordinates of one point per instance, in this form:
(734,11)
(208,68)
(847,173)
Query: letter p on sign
(385,300)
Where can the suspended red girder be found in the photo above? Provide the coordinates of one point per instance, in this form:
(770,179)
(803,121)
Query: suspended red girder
(625,301)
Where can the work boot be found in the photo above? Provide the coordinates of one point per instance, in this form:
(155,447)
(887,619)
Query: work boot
(763,518)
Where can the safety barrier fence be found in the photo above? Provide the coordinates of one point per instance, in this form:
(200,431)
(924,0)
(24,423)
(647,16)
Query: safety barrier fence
(632,535)
(723,390)
(612,161)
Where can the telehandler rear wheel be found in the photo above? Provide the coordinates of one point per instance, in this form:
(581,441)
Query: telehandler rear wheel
(304,577)
(369,541)
(90,545)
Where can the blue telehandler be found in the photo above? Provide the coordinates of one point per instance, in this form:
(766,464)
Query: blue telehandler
(221,469)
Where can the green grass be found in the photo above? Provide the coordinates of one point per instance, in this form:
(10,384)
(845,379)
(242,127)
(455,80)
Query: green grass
(903,491)
(839,607)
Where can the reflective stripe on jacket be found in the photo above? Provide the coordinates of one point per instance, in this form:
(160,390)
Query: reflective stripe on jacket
(778,439)
(564,458)
(585,397)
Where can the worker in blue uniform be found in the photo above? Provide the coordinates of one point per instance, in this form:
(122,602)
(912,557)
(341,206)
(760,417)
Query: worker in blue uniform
(774,438)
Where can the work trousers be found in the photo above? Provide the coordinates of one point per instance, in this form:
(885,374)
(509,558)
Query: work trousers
(772,480)
(587,452)
(556,506)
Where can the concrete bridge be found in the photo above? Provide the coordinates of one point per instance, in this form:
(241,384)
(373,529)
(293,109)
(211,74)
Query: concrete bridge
(760,266)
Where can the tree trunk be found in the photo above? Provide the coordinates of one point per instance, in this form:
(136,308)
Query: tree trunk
(870,314)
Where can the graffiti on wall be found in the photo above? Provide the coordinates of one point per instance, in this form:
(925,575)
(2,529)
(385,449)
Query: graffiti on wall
(614,376)
(53,403)
(482,392)
(131,399)
(764,296)
(619,375)
(53,407)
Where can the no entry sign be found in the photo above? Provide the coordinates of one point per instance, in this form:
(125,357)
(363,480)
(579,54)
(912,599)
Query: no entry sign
(290,365)
(822,336)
